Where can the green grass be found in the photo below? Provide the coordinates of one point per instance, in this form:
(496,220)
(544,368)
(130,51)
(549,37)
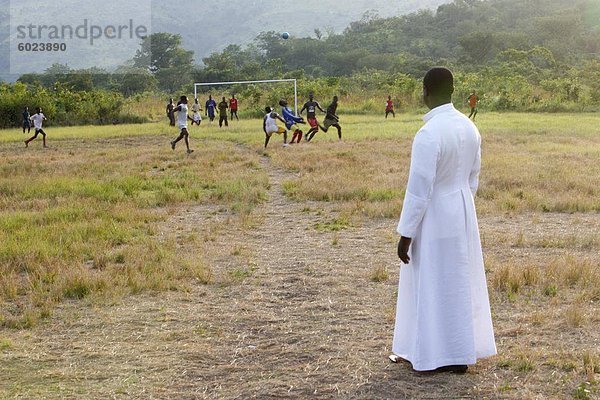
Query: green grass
(85,220)
(79,220)
(531,162)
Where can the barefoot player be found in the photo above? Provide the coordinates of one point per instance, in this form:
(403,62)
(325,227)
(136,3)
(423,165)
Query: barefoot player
(473,100)
(196,117)
(38,119)
(182,118)
(223,106)
(291,120)
(210,109)
(233,107)
(26,120)
(270,126)
(331,119)
(311,107)
(389,107)
(170,115)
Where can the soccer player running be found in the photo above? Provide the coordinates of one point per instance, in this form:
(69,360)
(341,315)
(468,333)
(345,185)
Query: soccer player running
(270,126)
(311,107)
(389,107)
(210,108)
(331,119)
(223,106)
(182,118)
(196,117)
(233,107)
(38,119)
(291,120)
(26,120)
(473,100)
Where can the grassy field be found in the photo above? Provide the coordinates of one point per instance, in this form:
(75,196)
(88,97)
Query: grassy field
(109,220)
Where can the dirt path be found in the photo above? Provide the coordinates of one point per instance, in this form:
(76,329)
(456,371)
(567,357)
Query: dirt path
(307,321)
(292,313)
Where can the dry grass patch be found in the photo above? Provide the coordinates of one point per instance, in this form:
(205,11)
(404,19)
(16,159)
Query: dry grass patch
(527,169)
(81,224)
(380,274)
(291,292)
(348,173)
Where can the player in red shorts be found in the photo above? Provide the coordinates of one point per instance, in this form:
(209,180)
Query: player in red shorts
(311,107)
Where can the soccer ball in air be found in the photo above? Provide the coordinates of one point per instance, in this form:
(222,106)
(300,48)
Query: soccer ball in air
(285,35)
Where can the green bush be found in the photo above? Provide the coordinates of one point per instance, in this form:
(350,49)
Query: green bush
(62,105)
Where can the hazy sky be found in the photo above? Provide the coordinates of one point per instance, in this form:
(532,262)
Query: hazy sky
(205,26)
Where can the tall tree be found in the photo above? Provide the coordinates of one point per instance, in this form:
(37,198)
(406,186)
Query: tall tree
(163,50)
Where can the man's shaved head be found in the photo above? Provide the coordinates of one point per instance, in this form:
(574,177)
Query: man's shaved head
(439,81)
(438,86)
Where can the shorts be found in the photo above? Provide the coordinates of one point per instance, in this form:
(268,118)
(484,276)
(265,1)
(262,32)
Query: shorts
(293,127)
(197,117)
(279,131)
(183,126)
(327,123)
(314,124)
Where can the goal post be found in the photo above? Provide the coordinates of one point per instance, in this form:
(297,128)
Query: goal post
(294,81)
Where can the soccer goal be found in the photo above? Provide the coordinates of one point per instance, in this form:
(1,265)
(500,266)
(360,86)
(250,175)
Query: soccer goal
(294,81)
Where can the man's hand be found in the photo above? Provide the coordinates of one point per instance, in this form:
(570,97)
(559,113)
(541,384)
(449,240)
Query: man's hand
(403,246)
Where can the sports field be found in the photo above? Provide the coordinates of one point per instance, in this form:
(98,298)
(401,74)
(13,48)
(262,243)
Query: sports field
(128,270)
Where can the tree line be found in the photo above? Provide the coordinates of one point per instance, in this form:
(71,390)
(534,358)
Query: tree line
(537,55)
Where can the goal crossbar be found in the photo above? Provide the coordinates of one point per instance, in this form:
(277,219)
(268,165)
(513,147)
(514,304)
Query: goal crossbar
(295,81)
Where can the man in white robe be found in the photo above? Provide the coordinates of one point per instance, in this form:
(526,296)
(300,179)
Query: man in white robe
(443,319)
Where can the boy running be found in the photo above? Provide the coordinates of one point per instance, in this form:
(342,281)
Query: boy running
(233,107)
(196,117)
(291,120)
(223,106)
(473,100)
(270,126)
(38,119)
(311,107)
(26,120)
(331,119)
(182,118)
(389,107)
(210,108)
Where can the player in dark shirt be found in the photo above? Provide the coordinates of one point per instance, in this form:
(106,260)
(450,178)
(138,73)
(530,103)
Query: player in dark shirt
(26,120)
(210,108)
(311,107)
(223,106)
(331,119)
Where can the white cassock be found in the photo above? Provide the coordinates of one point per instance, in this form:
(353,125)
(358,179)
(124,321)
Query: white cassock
(443,313)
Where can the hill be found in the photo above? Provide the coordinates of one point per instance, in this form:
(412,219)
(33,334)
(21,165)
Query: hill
(468,33)
(240,21)
(208,28)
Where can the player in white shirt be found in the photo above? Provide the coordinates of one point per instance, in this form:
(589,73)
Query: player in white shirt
(182,118)
(270,126)
(196,117)
(38,118)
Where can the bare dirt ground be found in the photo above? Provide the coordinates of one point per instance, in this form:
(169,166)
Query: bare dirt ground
(292,312)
